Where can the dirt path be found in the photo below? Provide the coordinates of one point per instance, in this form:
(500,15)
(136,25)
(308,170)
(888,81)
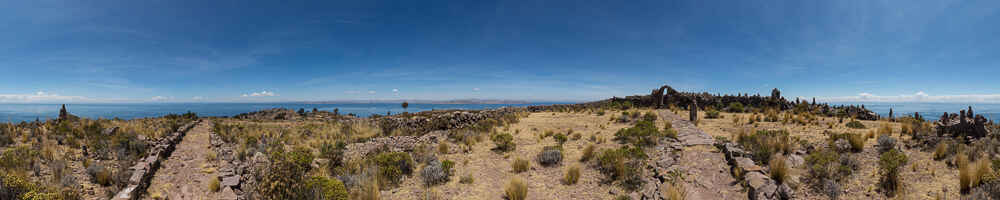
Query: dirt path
(187,172)
(707,174)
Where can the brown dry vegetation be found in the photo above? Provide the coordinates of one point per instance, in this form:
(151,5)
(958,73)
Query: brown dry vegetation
(922,176)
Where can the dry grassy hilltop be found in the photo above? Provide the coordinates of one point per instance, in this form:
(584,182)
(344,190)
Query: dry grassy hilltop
(666,145)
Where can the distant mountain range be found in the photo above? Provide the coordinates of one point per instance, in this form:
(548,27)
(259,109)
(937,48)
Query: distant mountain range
(456,101)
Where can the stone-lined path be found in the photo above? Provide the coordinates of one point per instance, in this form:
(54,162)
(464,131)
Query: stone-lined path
(706,170)
(187,172)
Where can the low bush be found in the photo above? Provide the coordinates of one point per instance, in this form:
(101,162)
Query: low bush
(99,174)
(890,164)
(467,179)
(642,133)
(649,116)
(941,151)
(735,107)
(622,165)
(855,125)
(443,147)
(285,177)
(588,153)
(572,175)
(516,189)
(712,114)
(20,157)
(560,138)
(886,143)
(856,142)
(504,142)
(392,166)
(434,173)
(551,155)
(520,165)
(763,144)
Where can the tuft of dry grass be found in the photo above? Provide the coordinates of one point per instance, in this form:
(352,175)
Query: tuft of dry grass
(443,148)
(940,151)
(588,153)
(467,179)
(572,175)
(520,165)
(516,189)
(675,191)
(213,185)
(971,176)
(778,168)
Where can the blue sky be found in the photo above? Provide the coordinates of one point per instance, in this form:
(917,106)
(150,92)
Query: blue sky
(244,51)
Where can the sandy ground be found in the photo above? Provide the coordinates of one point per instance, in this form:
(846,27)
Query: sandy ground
(187,172)
(492,171)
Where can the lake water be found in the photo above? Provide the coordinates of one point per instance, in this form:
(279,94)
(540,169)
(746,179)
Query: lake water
(28,112)
(930,111)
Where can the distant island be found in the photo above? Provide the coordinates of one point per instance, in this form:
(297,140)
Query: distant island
(455,101)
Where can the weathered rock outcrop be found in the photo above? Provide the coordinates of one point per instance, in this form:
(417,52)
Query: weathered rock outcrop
(144,169)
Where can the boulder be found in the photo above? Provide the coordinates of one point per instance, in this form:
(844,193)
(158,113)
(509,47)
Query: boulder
(746,165)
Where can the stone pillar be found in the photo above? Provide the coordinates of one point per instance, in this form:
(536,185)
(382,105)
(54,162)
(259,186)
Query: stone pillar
(694,110)
(890,115)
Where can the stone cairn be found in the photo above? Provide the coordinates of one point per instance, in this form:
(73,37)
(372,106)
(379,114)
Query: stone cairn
(963,123)
(144,169)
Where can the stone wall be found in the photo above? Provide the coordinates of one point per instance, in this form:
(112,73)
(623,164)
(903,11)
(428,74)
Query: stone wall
(964,123)
(233,172)
(428,121)
(145,168)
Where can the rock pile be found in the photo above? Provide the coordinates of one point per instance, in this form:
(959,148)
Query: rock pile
(964,123)
(760,185)
(424,122)
(144,169)
(270,114)
(234,174)
(392,144)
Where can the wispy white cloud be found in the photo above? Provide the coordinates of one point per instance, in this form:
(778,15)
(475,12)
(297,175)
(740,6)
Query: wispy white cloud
(161,98)
(920,96)
(371,91)
(264,93)
(40,96)
(197,98)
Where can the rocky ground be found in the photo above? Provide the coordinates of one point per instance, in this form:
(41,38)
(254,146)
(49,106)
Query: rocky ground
(189,169)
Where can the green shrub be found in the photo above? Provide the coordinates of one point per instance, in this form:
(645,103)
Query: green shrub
(642,133)
(890,164)
(712,114)
(520,165)
(560,138)
(600,113)
(622,165)
(855,125)
(504,142)
(572,175)
(735,107)
(327,188)
(13,186)
(20,157)
(392,166)
(762,144)
(516,189)
(649,116)
(285,176)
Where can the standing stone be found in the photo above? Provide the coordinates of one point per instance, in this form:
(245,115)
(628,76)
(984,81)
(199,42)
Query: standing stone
(775,94)
(62,113)
(970,113)
(814,101)
(694,110)
(890,115)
